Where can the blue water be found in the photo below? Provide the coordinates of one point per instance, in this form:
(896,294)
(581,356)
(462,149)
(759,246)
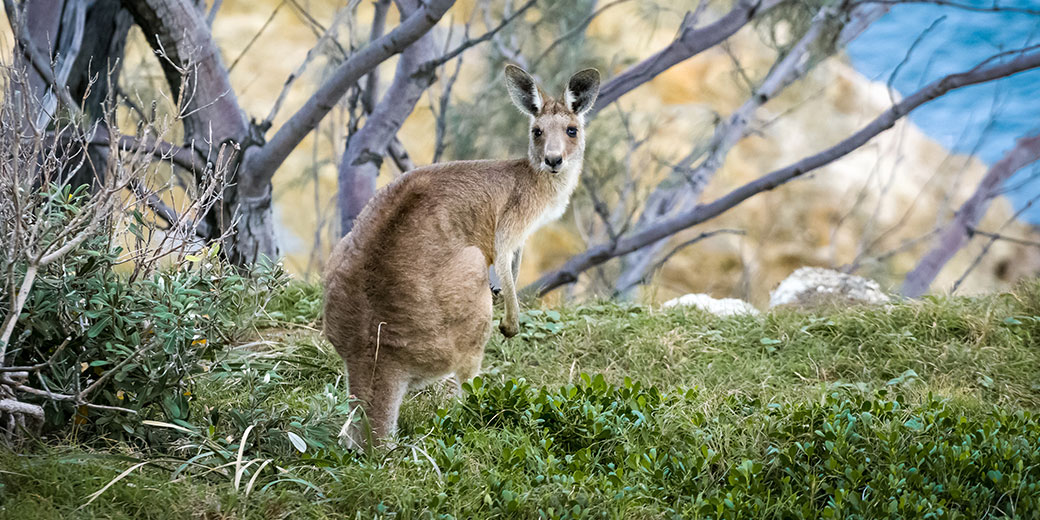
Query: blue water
(984,120)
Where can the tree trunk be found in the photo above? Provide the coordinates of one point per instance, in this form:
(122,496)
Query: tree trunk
(215,127)
(85,41)
(95,75)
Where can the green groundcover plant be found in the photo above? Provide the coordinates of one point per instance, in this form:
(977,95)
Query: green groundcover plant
(607,410)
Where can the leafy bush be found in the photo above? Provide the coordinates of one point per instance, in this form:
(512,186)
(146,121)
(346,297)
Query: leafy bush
(137,341)
(596,450)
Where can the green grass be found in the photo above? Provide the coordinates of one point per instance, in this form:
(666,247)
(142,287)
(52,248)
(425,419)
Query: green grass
(914,410)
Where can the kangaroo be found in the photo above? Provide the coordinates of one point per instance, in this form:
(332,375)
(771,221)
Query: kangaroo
(408,299)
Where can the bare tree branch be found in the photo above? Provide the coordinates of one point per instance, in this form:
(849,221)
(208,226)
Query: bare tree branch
(687,243)
(957,233)
(395,150)
(262,162)
(194,68)
(1029,58)
(989,244)
(159,149)
(256,36)
(462,47)
(368,96)
(399,154)
(998,236)
(364,153)
(508,51)
(689,42)
(213,12)
(39,62)
(40,366)
(327,36)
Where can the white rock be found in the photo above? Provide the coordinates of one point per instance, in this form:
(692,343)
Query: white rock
(813,285)
(718,307)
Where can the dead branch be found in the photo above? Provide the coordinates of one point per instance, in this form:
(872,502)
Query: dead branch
(40,366)
(157,148)
(509,51)
(989,244)
(995,7)
(39,62)
(396,149)
(1005,238)
(462,47)
(326,37)
(675,250)
(256,36)
(577,29)
(364,152)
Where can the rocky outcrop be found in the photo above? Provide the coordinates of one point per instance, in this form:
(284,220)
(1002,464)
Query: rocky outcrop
(812,286)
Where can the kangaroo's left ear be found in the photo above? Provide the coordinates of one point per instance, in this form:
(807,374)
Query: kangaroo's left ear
(582,90)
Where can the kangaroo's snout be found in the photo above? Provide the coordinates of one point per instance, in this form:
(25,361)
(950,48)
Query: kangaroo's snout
(554,162)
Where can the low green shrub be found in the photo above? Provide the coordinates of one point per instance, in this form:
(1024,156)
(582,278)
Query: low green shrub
(138,341)
(597,450)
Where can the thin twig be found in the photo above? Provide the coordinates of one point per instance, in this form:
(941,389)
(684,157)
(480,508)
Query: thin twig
(708,234)
(574,31)
(255,36)
(450,55)
(998,236)
(40,366)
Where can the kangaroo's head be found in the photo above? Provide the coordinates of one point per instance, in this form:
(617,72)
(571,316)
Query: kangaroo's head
(557,125)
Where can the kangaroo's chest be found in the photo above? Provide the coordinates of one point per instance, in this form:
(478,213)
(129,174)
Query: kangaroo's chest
(557,202)
(549,208)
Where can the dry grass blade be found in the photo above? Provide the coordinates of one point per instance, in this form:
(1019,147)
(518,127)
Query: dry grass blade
(112,482)
(252,481)
(239,468)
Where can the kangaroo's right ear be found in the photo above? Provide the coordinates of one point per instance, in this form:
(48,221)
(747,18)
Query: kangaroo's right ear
(523,91)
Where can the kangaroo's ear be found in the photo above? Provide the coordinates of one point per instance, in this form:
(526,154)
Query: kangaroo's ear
(523,91)
(582,90)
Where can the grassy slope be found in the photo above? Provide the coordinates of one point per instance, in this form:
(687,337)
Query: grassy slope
(956,375)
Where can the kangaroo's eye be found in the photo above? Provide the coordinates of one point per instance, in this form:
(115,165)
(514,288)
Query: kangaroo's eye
(537,132)
(572,131)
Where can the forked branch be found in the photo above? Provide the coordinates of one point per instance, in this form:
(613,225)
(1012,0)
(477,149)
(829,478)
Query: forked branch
(262,162)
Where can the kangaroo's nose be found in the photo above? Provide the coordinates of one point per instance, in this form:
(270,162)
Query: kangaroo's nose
(553,161)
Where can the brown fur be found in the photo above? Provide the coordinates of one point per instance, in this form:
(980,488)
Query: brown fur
(407,295)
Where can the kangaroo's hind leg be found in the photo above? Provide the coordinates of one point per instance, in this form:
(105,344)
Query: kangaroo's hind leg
(379,390)
(389,386)
(474,332)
